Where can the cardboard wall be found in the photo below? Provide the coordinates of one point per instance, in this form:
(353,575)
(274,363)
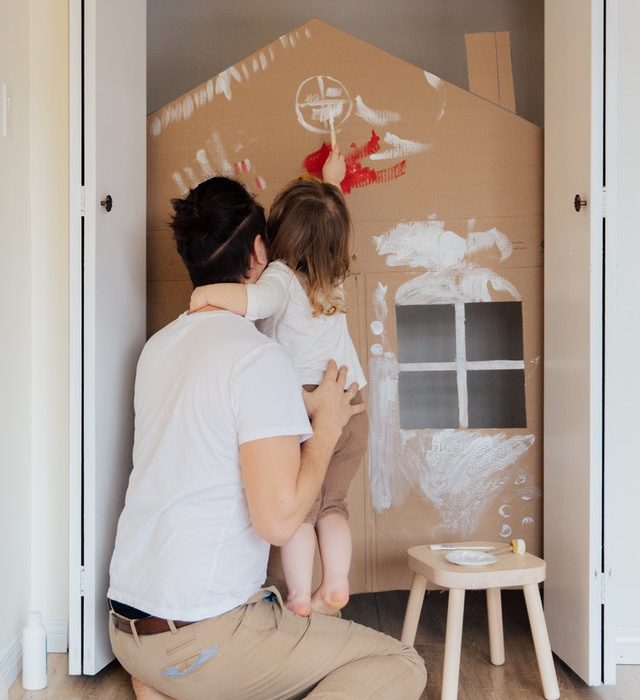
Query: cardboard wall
(447,209)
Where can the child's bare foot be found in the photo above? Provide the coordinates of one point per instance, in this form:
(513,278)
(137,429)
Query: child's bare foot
(330,601)
(146,692)
(299,606)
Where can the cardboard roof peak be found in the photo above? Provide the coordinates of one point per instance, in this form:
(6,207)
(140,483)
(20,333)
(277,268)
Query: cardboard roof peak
(222,82)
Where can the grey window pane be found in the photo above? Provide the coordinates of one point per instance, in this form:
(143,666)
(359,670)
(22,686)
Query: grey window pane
(496,398)
(428,400)
(494,330)
(426,333)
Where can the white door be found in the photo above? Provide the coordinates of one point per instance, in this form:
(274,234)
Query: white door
(108,298)
(573,310)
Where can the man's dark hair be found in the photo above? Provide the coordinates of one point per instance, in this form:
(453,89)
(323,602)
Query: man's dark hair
(214,227)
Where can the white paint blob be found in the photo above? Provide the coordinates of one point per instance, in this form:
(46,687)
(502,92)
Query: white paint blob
(505,510)
(505,531)
(374,116)
(400,148)
(527,521)
(377,327)
(520,479)
(530,493)
(438,85)
(377,349)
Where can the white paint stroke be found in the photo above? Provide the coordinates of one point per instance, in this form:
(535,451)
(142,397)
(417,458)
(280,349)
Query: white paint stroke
(460,472)
(179,180)
(388,487)
(374,116)
(399,148)
(464,284)
(307,32)
(156,126)
(223,81)
(263,60)
(193,180)
(245,71)
(427,244)
(255,65)
(527,521)
(187,106)
(505,530)
(205,165)
(439,86)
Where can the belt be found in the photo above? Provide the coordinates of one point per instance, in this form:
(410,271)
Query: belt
(147,625)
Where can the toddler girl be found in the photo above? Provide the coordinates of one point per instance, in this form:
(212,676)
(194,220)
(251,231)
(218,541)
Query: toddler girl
(299,302)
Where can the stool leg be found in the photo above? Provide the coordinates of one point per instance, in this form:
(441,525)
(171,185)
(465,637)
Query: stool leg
(496,635)
(541,641)
(453,644)
(414,608)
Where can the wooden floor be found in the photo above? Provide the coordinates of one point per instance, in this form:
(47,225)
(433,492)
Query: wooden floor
(517,680)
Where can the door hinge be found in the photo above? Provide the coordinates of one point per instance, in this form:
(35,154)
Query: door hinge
(604,202)
(605,579)
(82,201)
(82,581)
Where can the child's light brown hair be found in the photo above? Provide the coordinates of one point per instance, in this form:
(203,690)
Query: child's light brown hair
(308,228)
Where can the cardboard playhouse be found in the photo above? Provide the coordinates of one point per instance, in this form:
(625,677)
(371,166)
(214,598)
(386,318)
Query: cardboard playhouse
(445,297)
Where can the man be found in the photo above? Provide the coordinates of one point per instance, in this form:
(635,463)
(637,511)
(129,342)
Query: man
(225,464)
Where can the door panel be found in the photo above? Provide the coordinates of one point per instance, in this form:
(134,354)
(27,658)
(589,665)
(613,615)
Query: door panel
(113,291)
(573,332)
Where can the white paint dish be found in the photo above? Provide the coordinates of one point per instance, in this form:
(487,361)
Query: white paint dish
(470,557)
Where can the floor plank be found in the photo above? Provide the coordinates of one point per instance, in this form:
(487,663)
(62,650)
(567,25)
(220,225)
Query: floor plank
(518,679)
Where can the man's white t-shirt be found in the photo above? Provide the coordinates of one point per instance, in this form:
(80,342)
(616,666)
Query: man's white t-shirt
(206,383)
(279,299)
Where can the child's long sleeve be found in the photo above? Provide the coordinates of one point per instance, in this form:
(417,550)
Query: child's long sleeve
(270,293)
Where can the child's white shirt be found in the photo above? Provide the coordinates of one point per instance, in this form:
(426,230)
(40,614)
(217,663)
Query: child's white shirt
(281,307)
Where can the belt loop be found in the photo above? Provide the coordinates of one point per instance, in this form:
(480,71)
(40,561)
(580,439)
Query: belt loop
(134,632)
(111,620)
(172,626)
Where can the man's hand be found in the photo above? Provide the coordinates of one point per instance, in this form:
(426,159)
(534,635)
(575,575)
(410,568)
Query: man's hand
(334,168)
(329,406)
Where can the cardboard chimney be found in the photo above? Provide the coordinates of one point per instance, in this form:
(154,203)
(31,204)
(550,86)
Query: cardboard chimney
(445,296)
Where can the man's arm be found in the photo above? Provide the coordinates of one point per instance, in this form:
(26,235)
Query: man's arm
(281,478)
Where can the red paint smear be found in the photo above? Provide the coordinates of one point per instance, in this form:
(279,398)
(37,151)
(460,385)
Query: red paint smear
(357,175)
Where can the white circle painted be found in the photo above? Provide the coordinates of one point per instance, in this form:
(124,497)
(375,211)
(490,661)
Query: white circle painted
(377,327)
(505,531)
(505,510)
(320,100)
(528,521)
(520,479)
(377,349)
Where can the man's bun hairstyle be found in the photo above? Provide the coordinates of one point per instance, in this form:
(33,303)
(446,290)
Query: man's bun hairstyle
(214,227)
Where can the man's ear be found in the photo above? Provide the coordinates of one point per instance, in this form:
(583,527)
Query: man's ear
(260,250)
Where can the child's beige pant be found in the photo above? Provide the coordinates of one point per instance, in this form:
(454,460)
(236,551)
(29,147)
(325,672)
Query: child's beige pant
(262,651)
(345,461)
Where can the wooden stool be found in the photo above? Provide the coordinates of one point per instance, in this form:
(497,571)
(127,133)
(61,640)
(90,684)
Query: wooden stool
(521,570)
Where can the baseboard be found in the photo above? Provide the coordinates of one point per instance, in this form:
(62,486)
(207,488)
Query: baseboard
(628,645)
(57,634)
(11,661)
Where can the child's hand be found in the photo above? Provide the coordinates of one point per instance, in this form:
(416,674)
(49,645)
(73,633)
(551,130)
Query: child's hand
(198,300)
(334,168)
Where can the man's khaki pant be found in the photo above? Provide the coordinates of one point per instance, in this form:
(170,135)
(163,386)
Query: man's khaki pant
(262,651)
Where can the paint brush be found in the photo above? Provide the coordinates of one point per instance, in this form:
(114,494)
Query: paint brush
(517,546)
(333,131)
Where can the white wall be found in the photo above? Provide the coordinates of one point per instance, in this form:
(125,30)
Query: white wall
(623,321)
(33,309)
(50,319)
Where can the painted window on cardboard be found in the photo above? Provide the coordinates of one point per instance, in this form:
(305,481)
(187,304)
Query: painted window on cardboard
(461,365)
